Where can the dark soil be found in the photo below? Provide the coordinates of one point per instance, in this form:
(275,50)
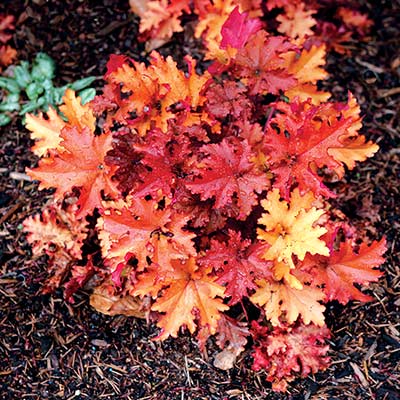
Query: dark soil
(50,349)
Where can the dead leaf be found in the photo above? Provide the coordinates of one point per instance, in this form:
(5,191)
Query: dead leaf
(114,305)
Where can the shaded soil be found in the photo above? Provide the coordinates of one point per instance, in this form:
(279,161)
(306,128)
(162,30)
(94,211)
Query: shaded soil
(53,350)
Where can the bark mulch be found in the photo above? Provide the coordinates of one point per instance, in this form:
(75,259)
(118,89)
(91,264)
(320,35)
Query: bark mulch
(50,349)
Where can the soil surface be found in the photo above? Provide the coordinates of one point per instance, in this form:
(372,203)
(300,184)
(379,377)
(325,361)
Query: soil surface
(50,349)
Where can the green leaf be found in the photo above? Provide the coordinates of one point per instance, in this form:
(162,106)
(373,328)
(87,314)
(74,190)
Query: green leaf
(41,101)
(33,90)
(50,96)
(59,93)
(29,107)
(13,98)
(9,84)
(43,67)
(9,106)
(22,75)
(4,119)
(47,84)
(82,83)
(87,95)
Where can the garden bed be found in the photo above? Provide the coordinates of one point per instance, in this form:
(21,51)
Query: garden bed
(52,349)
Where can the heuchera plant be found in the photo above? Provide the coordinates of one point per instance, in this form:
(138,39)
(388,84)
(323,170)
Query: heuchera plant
(205,196)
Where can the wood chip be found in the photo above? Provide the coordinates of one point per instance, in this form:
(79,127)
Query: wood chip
(19,176)
(388,92)
(359,374)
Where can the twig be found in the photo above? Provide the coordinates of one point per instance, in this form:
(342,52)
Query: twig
(10,212)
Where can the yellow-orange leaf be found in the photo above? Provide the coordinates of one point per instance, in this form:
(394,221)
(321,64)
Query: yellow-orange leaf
(305,91)
(282,271)
(291,228)
(353,111)
(77,114)
(192,296)
(307,69)
(155,13)
(46,132)
(355,149)
(284,303)
(296,22)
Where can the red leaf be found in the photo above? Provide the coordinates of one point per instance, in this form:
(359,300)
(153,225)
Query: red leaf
(228,171)
(259,64)
(80,276)
(236,265)
(228,99)
(285,352)
(232,334)
(164,161)
(298,141)
(126,160)
(6,23)
(237,29)
(116,61)
(338,273)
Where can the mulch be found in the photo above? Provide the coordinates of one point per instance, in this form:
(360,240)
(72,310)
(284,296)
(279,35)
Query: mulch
(50,349)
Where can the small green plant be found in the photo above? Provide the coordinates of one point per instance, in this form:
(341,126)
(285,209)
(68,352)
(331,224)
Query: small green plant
(31,88)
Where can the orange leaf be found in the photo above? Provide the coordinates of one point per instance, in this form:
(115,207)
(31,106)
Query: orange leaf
(47,130)
(144,231)
(150,92)
(7,55)
(159,19)
(128,229)
(139,7)
(79,165)
(354,149)
(192,295)
(57,230)
(57,233)
(343,268)
(355,19)
(311,133)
